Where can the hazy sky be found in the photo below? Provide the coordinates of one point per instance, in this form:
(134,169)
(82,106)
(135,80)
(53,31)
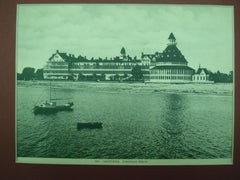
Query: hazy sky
(204,33)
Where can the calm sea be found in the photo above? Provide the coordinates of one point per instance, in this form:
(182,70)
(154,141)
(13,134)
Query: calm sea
(139,121)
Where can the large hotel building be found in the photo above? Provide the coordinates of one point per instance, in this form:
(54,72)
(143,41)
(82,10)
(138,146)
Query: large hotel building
(167,66)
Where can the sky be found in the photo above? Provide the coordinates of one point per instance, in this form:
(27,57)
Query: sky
(204,33)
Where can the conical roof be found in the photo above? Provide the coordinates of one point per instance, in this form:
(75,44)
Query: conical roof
(171,36)
(172,54)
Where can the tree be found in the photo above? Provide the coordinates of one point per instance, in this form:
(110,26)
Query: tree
(230,76)
(111,78)
(71,77)
(221,77)
(19,76)
(137,73)
(125,75)
(123,52)
(28,73)
(94,76)
(81,76)
(103,76)
(39,74)
(116,77)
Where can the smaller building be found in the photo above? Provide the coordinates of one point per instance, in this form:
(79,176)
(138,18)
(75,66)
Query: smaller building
(201,76)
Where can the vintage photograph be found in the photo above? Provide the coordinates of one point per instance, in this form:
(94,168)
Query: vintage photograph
(124,84)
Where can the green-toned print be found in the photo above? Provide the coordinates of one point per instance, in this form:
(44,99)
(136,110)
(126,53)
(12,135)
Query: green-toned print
(124,84)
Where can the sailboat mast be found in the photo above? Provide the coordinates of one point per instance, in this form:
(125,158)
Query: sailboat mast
(50,92)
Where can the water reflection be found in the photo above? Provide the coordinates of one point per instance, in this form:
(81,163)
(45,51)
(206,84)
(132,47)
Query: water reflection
(174,125)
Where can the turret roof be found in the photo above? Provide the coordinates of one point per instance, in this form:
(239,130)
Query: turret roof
(171,54)
(171,36)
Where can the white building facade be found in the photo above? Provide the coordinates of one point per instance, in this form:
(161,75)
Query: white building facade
(169,66)
(201,76)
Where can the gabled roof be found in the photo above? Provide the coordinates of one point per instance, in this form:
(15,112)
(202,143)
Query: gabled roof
(202,69)
(63,55)
(52,56)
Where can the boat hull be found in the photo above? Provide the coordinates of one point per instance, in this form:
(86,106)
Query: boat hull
(52,109)
(91,125)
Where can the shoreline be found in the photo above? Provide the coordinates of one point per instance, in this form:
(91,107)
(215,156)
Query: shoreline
(222,89)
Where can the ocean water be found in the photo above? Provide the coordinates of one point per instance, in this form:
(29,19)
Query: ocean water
(140,121)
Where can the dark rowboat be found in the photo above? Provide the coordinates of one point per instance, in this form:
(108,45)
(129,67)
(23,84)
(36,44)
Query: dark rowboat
(91,125)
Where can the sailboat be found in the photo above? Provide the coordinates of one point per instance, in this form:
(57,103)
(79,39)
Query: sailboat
(51,106)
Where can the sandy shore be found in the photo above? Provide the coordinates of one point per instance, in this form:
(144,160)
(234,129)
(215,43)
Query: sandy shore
(214,89)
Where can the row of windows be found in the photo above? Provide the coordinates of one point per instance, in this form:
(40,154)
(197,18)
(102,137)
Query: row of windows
(58,63)
(166,63)
(99,63)
(57,67)
(107,71)
(56,71)
(200,78)
(94,67)
(107,63)
(56,77)
(86,66)
(89,72)
(172,77)
(172,71)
